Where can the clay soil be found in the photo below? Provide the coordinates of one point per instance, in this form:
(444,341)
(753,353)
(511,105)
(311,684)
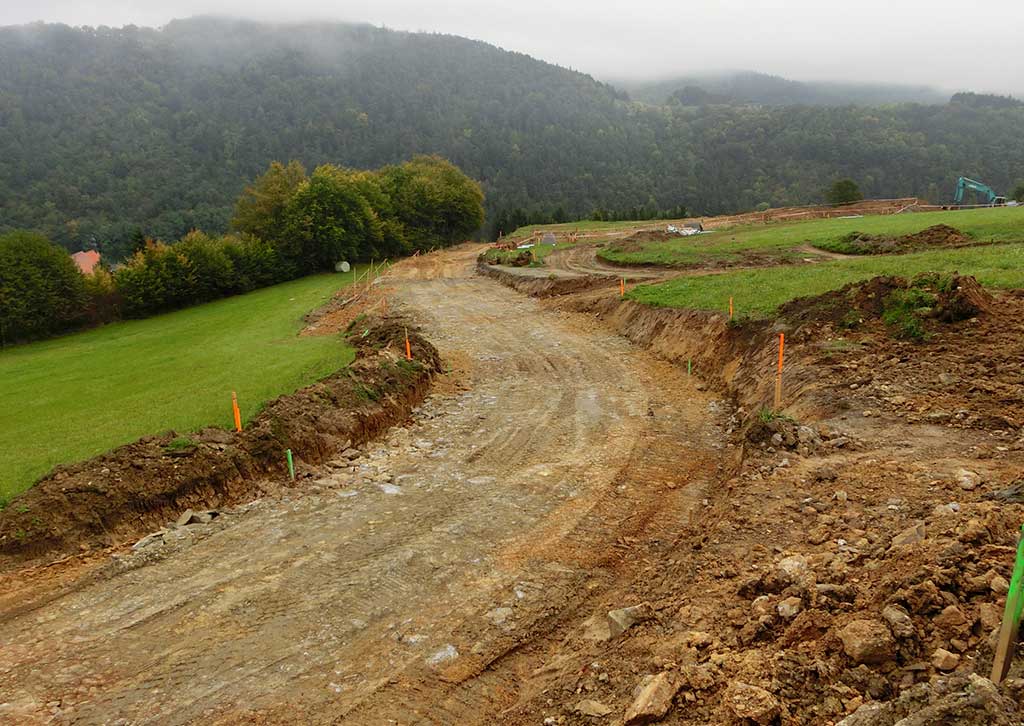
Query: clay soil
(572,530)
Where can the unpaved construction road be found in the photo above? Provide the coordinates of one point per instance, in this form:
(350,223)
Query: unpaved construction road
(432,584)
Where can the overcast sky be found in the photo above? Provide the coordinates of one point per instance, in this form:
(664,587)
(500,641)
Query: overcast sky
(940,43)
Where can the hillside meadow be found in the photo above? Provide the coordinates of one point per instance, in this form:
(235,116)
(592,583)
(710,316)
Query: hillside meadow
(67,399)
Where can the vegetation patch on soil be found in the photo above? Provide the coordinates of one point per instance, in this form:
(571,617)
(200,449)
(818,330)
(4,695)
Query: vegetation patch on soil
(904,306)
(861,243)
(140,486)
(68,399)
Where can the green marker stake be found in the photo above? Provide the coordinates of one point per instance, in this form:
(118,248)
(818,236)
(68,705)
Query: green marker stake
(1016,581)
(1006,643)
(689,367)
(291,464)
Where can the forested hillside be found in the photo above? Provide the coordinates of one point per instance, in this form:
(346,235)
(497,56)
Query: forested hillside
(749,87)
(104,132)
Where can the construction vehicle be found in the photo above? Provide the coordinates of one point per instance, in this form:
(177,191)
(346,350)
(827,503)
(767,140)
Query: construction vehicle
(991,198)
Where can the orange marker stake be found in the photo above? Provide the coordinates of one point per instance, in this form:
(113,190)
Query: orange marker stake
(408,348)
(730,308)
(622,287)
(385,305)
(238,414)
(778,375)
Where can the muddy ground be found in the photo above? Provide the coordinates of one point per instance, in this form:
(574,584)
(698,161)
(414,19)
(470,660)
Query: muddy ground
(572,530)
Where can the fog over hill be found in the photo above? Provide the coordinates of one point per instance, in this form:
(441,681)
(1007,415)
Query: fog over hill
(104,131)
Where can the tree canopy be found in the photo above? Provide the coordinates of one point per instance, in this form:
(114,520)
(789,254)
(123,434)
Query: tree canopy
(843,191)
(41,289)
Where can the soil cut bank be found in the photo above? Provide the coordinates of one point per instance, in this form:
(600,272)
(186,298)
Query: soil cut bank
(138,487)
(854,569)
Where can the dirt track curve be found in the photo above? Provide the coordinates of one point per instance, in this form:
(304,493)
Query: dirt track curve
(431,586)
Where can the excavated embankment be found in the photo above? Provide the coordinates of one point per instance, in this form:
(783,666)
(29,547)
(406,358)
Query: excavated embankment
(550,286)
(739,359)
(138,487)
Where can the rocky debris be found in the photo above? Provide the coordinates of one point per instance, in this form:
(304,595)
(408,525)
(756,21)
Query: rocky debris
(619,621)
(588,707)
(443,655)
(793,568)
(868,641)
(653,699)
(944,660)
(751,702)
(911,535)
(951,618)
(967,480)
(790,607)
(964,700)
(189,517)
(899,620)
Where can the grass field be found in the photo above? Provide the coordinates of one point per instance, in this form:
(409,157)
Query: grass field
(70,398)
(998,224)
(758,292)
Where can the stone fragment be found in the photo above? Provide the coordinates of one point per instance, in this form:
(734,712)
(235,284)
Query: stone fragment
(619,621)
(790,607)
(899,621)
(868,641)
(911,535)
(951,617)
(944,660)
(967,479)
(185,518)
(653,700)
(751,702)
(588,707)
(792,568)
(999,585)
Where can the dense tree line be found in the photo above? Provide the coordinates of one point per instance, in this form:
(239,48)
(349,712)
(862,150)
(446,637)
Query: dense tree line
(750,87)
(286,225)
(105,132)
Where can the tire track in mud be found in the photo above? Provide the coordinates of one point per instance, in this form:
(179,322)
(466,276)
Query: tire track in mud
(430,585)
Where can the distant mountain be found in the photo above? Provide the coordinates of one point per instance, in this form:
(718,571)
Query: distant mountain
(107,131)
(748,87)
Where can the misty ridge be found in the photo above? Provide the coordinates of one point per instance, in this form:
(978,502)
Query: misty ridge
(106,132)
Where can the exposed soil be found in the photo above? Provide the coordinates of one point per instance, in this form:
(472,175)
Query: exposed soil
(936,236)
(576,532)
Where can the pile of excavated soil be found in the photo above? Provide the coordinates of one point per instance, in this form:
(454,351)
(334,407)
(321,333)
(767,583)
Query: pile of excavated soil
(939,235)
(137,487)
(956,298)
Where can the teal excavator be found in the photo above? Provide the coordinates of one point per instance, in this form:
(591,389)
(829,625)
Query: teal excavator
(963,184)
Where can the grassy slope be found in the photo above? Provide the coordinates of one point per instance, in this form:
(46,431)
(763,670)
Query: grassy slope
(985,225)
(67,399)
(759,292)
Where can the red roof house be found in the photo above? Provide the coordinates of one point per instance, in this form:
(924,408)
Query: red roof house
(86,261)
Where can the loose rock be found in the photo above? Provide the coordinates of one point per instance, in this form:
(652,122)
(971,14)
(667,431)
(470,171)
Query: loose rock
(751,702)
(592,708)
(619,621)
(868,641)
(653,700)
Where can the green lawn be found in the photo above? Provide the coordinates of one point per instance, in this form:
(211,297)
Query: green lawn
(997,224)
(70,398)
(758,292)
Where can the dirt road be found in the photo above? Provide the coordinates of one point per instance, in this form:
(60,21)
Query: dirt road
(428,582)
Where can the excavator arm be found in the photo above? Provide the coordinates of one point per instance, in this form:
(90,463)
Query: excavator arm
(963,183)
